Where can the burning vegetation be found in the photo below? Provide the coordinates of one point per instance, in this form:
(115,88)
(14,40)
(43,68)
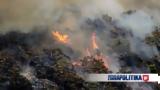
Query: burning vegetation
(63,38)
(34,60)
(95,56)
(94,43)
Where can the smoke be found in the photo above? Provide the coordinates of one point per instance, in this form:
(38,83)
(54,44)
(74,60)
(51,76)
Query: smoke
(139,22)
(69,17)
(140,86)
(114,64)
(151,7)
(142,49)
(26,14)
(130,4)
(28,72)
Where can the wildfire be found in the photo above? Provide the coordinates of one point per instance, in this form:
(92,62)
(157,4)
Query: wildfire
(61,37)
(103,59)
(98,55)
(94,44)
(88,52)
(92,55)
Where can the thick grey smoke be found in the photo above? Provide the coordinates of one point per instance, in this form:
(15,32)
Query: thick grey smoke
(149,6)
(26,14)
(130,4)
(69,15)
(139,22)
(140,86)
(142,49)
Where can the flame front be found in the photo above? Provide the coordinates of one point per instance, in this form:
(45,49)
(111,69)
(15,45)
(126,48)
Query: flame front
(94,44)
(91,54)
(63,38)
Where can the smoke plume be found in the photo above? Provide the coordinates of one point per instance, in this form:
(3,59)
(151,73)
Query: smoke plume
(79,19)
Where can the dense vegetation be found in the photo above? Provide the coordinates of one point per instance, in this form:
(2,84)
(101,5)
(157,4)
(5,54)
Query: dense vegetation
(27,63)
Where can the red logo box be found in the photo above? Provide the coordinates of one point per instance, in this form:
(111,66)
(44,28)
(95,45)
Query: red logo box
(145,78)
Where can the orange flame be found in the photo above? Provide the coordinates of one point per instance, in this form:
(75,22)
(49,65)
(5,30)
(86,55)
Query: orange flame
(94,44)
(61,37)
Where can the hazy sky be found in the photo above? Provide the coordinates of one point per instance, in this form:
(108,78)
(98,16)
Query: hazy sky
(28,13)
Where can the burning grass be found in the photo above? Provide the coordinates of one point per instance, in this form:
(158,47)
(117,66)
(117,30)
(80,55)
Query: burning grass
(63,38)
